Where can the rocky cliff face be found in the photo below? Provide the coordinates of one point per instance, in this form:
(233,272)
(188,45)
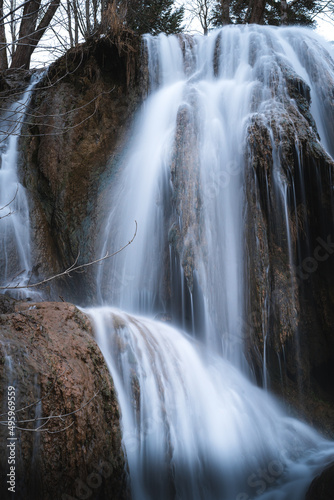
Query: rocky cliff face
(48,354)
(78,123)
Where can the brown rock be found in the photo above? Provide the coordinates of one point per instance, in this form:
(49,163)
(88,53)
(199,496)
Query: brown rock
(49,355)
(81,113)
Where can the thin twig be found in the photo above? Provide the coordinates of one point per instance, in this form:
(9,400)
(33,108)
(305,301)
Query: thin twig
(71,269)
(10,202)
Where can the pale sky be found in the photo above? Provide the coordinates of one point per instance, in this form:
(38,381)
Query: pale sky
(325,29)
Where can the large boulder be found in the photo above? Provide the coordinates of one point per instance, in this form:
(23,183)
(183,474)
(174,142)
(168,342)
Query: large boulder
(67,415)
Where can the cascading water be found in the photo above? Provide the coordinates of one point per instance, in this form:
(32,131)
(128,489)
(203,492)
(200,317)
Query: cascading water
(15,243)
(194,427)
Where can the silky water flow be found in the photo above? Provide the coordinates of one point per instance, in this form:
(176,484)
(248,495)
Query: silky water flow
(195,426)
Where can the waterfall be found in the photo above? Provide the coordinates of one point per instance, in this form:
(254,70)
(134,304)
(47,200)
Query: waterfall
(15,241)
(183,178)
(195,426)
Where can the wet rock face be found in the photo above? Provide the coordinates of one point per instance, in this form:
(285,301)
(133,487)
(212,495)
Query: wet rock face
(7,304)
(79,122)
(184,221)
(322,486)
(289,221)
(184,226)
(48,354)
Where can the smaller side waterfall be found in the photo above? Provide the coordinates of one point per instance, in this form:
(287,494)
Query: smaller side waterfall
(15,242)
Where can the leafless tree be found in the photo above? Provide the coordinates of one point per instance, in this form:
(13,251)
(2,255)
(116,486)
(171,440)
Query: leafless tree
(200,11)
(34,17)
(68,22)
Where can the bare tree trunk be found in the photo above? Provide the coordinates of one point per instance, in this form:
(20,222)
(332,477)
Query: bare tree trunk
(76,22)
(225,6)
(30,35)
(201,10)
(206,16)
(21,56)
(3,42)
(87,6)
(284,12)
(256,12)
(69,22)
(13,25)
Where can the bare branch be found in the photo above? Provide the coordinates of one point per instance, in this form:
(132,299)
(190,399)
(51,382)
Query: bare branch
(71,269)
(50,417)
(11,12)
(10,202)
(61,130)
(11,212)
(7,215)
(45,87)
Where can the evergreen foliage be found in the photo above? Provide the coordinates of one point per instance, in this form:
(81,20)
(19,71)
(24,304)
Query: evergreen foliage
(154,16)
(300,13)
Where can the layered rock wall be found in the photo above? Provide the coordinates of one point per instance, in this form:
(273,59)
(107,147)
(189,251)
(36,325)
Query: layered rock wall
(289,231)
